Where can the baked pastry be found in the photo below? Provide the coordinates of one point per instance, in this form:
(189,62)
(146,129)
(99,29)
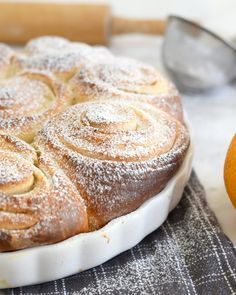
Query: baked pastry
(125,78)
(38,203)
(118,154)
(6,57)
(27,100)
(51,44)
(58,55)
(65,168)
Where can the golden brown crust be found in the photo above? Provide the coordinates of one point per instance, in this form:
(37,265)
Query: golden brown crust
(45,209)
(118,154)
(92,162)
(27,100)
(127,79)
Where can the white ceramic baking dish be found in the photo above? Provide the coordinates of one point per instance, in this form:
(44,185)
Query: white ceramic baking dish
(81,252)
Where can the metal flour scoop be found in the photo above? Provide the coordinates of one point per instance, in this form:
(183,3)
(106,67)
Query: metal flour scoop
(197,59)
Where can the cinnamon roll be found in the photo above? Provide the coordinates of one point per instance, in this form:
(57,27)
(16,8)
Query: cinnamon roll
(27,100)
(127,79)
(38,203)
(117,154)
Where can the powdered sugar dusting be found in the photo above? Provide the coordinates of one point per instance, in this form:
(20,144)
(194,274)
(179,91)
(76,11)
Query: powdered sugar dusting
(12,171)
(125,73)
(125,78)
(27,100)
(46,43)
(43,200)
(59,56)
(114,130)
(102,158)
(6,55)
(109,115)
(60,63)
(122,74)
(114,151)
(24,95)
(17,165)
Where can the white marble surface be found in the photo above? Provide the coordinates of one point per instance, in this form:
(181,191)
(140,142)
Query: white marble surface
(213,119)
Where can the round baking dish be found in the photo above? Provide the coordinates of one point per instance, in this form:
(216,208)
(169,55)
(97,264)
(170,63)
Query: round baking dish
(81,252)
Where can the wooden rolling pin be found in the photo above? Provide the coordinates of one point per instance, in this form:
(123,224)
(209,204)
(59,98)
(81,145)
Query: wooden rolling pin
(87,22)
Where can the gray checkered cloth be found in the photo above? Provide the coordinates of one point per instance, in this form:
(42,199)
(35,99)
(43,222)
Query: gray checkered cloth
(188,254)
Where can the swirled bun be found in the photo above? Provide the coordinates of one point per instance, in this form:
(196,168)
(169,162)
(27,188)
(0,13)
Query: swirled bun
(85,137)
(27,100)
(127,79)
(38,203)
(117,154)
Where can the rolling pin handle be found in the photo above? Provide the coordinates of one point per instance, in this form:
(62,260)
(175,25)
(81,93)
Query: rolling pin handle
(122,25)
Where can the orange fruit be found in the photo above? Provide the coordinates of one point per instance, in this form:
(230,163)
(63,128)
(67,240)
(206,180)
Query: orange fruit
(230,171)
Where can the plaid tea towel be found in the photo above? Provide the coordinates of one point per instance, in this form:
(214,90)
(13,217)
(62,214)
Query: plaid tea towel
(188,254)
